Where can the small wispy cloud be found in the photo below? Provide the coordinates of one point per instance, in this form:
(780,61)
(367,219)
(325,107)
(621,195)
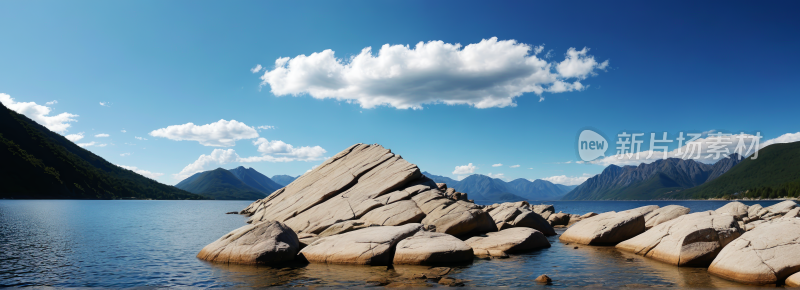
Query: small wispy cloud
(514,166)
(140,138)
(123,131)
(74,137)
(102,135)
(497,165)
(256,69)
(265,127)
(105,104)
(87,144)
(53,102)
(125,154)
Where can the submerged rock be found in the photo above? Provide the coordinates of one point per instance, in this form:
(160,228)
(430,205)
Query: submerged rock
(607,228)
(368,246)
(543,279)
(663,215)
(264,243)
(509,241)
(426,248)
(767,254)
(690,240)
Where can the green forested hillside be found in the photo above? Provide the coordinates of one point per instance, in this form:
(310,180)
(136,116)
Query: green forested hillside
(775,173)
(38,163)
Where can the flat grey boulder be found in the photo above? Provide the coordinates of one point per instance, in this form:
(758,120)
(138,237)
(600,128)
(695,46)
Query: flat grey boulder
(736,209)
(607,228)
(768,254)
(427,248)
(368,246)
(689,240)
(511,240)
(263,243)
(664,214)
(395,214)
(782,207)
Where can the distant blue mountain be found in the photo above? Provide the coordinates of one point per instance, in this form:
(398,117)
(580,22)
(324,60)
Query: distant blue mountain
(239,183)
(482,187)
(283,180)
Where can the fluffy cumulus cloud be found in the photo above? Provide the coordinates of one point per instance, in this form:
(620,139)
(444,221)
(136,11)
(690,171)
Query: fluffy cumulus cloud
(101,135)
(487,74)
(39,113)
(145,173)
(708,147)
(271,151)
(497,165)
(465,169)
(219,134)
(568,180)
(74,137)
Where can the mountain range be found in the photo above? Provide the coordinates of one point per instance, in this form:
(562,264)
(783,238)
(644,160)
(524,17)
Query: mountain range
(485,188)
(239,183)
(38,163)
(661,179)
(284,180)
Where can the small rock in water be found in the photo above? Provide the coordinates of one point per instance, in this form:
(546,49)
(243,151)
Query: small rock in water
(379,281)
(451,282)
(544,279)
(232,212)
(575,247)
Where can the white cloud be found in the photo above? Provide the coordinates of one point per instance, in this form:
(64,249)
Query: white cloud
(58,123)
(265,127)
(53,102)
(140,138)
(702,145)
(123,131)
(312,168)
(145,173)
(487,74)
(497,165)
(465,169)
(568,180)
(102,145)
(87,144)
(499,175)
(256,69)
(74,137)
(578,64)
(272,151)
(105,104)
(125,154)
(101,135)
(220,134)
(514,166)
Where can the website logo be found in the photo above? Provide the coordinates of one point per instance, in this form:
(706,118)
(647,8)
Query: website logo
(591,145)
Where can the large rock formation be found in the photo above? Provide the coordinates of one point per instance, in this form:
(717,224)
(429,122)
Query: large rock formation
(689,240)
(608,228)
(427,248)
(782,207)
(518,214)
(264,243)
(370,183)
(767,254)
(664,214)
(368,246)
(511,240)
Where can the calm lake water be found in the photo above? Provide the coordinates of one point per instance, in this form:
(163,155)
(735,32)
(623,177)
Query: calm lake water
(96,243)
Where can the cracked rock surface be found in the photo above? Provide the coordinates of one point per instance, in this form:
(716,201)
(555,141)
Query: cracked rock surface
(368,246)
(264,243)
(518,214)
(427,248)
(689,240)
(395,214)
(736,209)
(767,254)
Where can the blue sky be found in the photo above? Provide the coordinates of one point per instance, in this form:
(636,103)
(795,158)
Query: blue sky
(672,67)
